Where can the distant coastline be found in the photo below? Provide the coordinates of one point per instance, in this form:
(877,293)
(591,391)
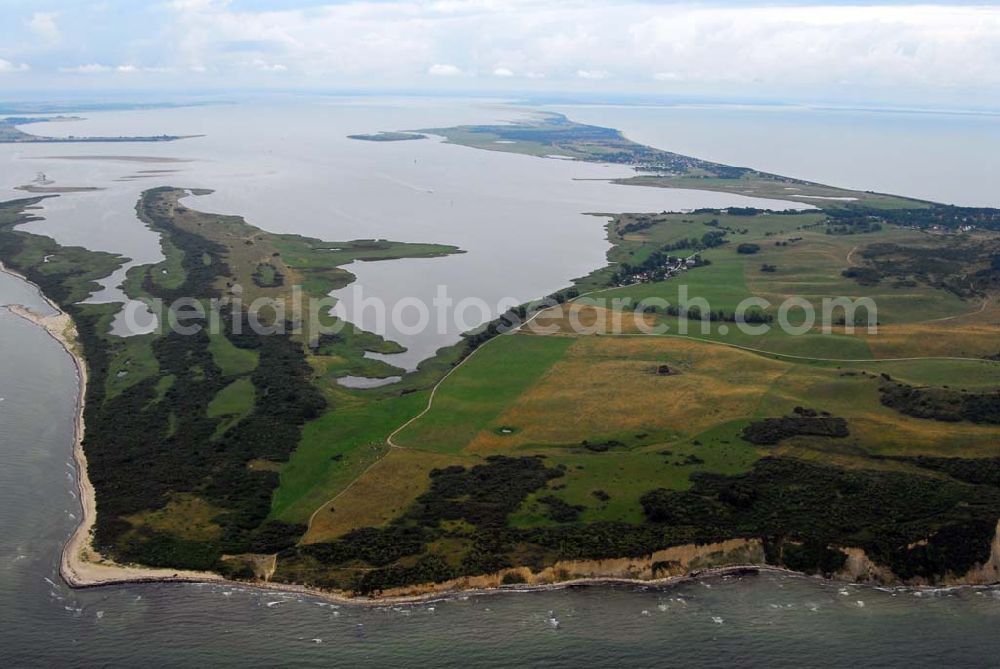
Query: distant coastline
(388,137)
(10,133)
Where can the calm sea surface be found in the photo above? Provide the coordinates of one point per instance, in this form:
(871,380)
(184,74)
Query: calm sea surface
(768,619)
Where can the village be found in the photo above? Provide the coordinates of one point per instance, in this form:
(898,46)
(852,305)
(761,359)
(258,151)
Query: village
(657,267)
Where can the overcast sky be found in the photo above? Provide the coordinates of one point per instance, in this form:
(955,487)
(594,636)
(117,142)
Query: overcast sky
(891,52)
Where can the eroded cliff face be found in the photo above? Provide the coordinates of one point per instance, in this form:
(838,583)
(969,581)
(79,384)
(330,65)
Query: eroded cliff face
(989,572)
(860,569)
(673,562)
(687,560)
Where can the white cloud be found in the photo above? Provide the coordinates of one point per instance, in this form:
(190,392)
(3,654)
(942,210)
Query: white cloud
(198,5)
(908,45)
(631,44)
(128,68)
(443,70)
(44,26)
(90,68)
(263,66)
(7,66)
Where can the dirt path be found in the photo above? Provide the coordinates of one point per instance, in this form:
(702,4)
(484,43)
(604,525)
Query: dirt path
(430,402)
(981,309)
(357,478)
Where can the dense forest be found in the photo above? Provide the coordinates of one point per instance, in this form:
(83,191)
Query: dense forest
(941,215)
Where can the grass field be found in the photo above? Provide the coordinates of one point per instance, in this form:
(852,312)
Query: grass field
(235,400)
(595,391)
(474,396)
(231,360)
(914,318)
(624,477)
(960,374)
(378,494)
(974,335)
(186,516)
(133,362)
(335,449)
(607,388)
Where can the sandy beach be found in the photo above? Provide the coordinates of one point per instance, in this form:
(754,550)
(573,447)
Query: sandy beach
(80,564)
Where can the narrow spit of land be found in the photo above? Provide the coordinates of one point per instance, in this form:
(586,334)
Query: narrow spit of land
(11,133)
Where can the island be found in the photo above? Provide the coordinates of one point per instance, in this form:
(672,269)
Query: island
(388,137)
(527,457)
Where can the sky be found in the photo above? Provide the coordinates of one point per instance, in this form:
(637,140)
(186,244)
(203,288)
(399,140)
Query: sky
(891,52)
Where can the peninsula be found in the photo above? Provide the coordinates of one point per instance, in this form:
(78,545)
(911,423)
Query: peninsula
(10,133)
(540,457)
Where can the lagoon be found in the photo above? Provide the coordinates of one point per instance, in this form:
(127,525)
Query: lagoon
(524,222)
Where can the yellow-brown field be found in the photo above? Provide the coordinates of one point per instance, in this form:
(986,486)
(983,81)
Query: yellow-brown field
(380,494)
(186,516)
(853,394)
(607,386)
(579,317)
(974,334)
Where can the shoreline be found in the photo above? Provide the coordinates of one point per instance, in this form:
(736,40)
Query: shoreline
(82,567)
(444,595)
